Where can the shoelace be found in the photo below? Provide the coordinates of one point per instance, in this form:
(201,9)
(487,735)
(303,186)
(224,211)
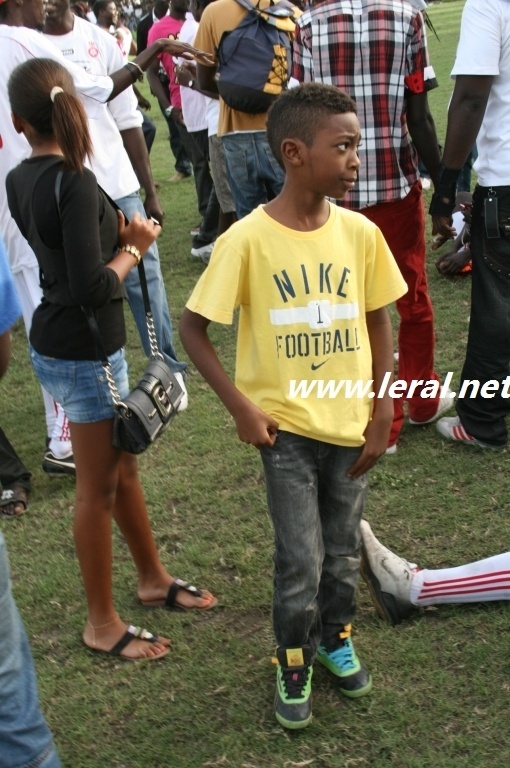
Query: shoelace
(294,680)
(344,656)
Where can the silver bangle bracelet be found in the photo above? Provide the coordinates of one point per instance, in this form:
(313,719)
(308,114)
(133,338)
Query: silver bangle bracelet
(135,75)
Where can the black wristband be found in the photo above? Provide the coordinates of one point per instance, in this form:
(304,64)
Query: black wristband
(443,199)
(135,71)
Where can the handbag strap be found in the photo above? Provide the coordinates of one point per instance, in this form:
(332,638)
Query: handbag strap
(91,318)
(149,319)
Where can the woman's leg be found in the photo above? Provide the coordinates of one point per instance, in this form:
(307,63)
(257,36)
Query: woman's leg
(97,477)
(130,514)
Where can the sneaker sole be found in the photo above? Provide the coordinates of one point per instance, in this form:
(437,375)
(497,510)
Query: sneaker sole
(291,725)
(474,443)
(57,470)
(440,413)
(359,692)
(351,694)
(387,607)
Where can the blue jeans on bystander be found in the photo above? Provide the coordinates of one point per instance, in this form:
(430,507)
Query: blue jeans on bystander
(253,173)
(157,293)
(25,739)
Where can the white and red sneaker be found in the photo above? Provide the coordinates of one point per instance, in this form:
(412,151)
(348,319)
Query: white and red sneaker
(451,428)
(444,404)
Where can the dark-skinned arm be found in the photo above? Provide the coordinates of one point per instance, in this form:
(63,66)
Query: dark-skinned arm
(5,351)
(422,130)
(253,425)
(136,148)
(465,117)
(378,429)
(157,88)
(186,73)
(124,77)
(206,77)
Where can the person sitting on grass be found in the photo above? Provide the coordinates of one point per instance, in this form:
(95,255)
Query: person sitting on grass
(456,260)
(399,588)
(312,281)
(85,249)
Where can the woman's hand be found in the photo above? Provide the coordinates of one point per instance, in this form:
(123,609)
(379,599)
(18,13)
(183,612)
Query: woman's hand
(139,232)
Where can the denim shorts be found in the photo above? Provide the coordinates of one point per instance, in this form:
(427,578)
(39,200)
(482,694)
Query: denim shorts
(80,386)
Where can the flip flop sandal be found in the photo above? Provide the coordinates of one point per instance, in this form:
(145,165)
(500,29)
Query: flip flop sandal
(130,634)
(12,498)
(171,604)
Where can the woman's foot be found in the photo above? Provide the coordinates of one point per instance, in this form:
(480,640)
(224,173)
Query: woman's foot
(128,643)
(178,595)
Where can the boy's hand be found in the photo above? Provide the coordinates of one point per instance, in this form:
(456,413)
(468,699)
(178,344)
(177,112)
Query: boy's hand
(256,427)
(376,435)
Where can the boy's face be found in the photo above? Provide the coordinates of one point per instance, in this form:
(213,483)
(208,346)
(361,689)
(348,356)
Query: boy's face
(333,157)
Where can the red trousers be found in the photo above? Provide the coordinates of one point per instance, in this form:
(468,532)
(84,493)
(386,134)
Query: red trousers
(403,226)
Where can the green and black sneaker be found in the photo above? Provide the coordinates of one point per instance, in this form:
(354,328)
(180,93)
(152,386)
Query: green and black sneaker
(354,679)
(293,700)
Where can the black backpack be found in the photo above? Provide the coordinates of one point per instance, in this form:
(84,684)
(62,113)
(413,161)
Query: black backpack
(254,59)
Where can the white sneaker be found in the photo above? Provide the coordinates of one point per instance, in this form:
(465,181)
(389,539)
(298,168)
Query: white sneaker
(451,428)
(184,399)
(388,577)
(446,402)
(204,252)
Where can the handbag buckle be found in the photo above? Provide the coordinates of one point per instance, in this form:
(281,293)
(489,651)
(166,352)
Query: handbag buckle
(162,401)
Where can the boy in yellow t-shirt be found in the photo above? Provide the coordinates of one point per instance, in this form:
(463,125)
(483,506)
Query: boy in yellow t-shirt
(312,281)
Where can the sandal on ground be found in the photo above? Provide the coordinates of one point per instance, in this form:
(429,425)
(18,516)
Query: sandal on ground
(130,634)
(171,604)
(12,499)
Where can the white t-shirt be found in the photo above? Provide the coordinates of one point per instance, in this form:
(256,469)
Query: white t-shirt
(17,45)
(212,115)
(484,49)
(194,104)
(97,52)
(124,39)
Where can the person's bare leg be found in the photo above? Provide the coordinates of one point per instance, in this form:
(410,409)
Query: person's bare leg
(97,476)
(130,514)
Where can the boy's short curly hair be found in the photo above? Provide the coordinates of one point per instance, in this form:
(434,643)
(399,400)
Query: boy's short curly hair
(300,112)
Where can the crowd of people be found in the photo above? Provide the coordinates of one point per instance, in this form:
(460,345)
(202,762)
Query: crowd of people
(285,178)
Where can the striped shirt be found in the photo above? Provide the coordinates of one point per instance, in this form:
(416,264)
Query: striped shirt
(376,51)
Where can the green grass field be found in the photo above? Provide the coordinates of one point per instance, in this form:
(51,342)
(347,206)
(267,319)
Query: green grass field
(441,680)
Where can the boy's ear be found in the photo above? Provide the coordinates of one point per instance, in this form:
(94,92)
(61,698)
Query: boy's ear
(292,151)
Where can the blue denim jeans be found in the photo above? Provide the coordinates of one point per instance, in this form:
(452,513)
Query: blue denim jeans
(157,293)
(488,347)
(81,386)
(25,739)
(253,173)
(316,511)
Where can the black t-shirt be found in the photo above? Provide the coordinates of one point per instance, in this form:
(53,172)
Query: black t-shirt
(81,230)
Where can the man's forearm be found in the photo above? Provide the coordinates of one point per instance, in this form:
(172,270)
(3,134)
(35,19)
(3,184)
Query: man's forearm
(157,87)
(124,76)
(422,130)
(465,117)
(134,144)
(206,77)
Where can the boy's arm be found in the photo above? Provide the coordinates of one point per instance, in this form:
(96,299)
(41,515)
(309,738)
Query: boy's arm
(378,429)
(253,425)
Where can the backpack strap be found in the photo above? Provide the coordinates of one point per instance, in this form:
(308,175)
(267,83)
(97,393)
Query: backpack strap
(280,10)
